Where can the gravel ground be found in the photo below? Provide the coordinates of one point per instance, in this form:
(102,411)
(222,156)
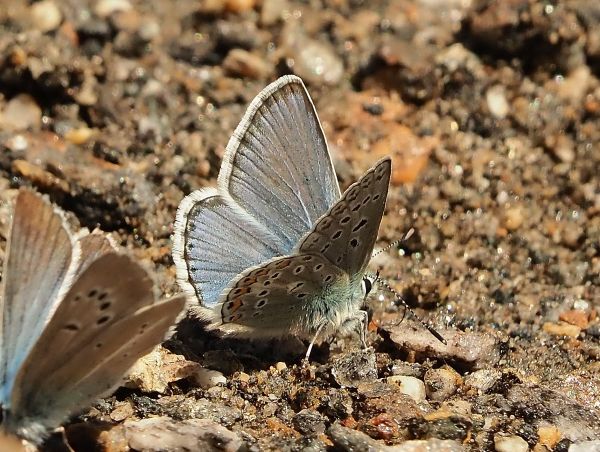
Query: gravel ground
(490,110)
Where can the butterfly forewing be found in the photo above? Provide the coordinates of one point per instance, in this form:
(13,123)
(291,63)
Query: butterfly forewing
(214,241)
(277,166)
(36,270)
(346,234)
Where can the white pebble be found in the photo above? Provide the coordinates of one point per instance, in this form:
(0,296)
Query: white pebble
(45,15)
(105,8)
(410,386)
(510,444)
(207,378)
(496,101)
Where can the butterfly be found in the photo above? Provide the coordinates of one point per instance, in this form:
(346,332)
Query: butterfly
(275,249)
(76,315)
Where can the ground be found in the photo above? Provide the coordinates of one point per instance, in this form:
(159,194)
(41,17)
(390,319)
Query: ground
(490,110)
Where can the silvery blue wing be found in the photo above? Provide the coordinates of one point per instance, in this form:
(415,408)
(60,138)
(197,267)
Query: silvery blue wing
(76,315)
(274,250)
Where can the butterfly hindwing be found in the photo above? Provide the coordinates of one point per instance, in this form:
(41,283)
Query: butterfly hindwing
(105,322)
(214,240)
(346,234)
(277,165)
(286,293)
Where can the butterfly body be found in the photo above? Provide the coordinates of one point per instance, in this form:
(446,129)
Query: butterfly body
(275,249)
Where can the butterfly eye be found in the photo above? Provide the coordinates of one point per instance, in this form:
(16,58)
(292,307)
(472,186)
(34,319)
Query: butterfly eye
(298,269)
(367,286)
(318,267)
(354,243)
(261,303)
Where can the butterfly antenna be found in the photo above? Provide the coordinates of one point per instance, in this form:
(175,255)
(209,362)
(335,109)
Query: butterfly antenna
(399,298)
(407,236)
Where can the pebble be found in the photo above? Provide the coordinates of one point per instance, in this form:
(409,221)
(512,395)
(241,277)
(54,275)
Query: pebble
(410,386)
(105,8)
(585,446)
(575,317)
(482,380)
(239,62)
(208,378)
(441,383)
(280,366)
(21,113)
(239,6)
(272,11)
(164,433)
(243,377)
(496,102)
(79,135)
(510,444)
(352,369)
(513,218)
(309,422)
(312,60)
(45,15)
(561,329)
(473,350)
(154,372)
(549,436)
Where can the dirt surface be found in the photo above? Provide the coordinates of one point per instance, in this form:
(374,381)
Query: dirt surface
(490,111)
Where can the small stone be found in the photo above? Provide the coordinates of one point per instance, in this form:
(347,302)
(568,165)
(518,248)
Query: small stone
(312,60)
(105,8)
(510,444)
(513,218)
(472,350)
(441,383)
(410,386)
(239,62)
(45,15)
(496,102)
(309,422)
(154,372)
(483,380)
(207,378)
(239,6)
(352,369)
(561,329)
(549,436)
(243,377)
(585,446)
(272,11)
(280,366)
(79,136)
(21,113)
(122,411)
(575,317)
(163,433)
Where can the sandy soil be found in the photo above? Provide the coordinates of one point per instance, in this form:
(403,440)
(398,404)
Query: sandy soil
(490,111)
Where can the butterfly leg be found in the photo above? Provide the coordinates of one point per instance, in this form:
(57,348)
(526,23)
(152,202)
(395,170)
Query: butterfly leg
(363,324)
(314,339)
